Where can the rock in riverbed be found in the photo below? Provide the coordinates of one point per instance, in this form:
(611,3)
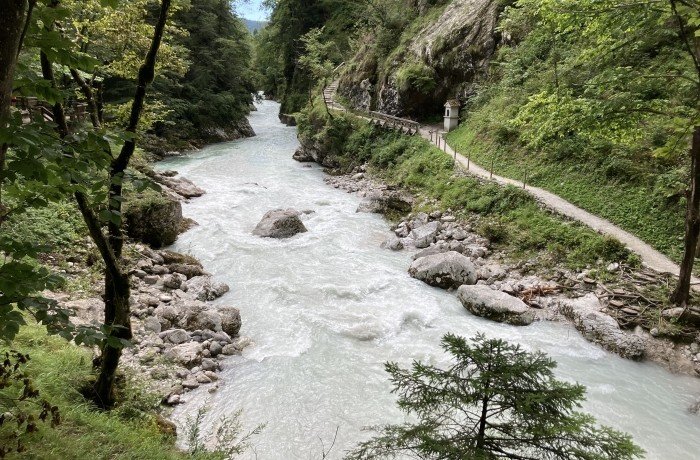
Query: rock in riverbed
(447,270)
(495,305)
(602,329)
(280,223)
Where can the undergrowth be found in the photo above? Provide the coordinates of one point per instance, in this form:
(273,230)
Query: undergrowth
(642,208)
(131,432)
(508,216)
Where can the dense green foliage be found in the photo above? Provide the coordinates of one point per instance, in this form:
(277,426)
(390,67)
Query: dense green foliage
(495,401)
(508,216)
(85,68)
(593,100)
(595,106)
(91,52)
(216,91)
(279,45)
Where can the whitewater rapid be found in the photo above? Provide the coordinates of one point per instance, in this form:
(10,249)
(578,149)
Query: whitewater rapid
(327,308)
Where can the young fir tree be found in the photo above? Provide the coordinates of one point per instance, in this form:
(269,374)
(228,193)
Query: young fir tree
(495,402)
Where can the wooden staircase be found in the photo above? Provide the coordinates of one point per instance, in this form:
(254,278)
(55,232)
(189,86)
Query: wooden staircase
(329,97)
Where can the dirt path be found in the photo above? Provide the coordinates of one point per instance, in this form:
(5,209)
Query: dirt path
(650,256)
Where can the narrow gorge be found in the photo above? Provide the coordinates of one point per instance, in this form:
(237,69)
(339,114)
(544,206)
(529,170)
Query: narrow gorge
(326,308)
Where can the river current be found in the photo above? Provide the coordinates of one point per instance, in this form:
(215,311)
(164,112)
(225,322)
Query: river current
(327,308)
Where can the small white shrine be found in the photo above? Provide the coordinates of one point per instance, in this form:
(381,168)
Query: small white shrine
(451,114)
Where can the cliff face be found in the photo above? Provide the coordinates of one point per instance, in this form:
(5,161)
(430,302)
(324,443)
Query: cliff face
(443,59)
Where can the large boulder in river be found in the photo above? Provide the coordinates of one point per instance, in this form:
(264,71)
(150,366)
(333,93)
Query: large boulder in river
(394,243)
(280,223)
(180,186)
(426,234)
(230,319)
(597,327)
(447,270)
(495,305)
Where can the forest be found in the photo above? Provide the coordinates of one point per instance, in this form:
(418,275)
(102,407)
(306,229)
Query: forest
(597,101)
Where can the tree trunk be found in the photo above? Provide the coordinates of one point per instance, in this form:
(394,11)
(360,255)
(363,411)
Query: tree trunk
(11,25)
(59,114)
(89,97)
(681,295)
(119,165)
(117,292)
(117,289)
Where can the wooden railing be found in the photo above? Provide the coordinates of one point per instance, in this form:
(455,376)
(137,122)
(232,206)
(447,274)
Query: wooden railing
(389,121)
(33,109)
(381,119)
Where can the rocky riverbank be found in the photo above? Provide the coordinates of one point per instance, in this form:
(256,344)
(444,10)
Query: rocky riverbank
(447,252)
(180,339)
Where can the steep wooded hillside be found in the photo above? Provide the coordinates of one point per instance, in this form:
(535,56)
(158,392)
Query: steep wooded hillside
(594,100)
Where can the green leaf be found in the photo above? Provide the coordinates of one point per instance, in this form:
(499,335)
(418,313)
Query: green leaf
(105,215)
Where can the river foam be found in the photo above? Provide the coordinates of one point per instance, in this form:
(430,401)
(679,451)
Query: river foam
(327,308)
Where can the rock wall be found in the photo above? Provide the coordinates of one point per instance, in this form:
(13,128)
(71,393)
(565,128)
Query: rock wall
(235,131)
(453,51)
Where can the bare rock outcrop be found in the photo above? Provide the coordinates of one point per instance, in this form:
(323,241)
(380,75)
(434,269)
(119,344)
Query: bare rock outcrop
(442,60)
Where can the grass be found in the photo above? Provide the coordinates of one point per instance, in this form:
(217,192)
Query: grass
(59,370)
(632,206)
(508,216)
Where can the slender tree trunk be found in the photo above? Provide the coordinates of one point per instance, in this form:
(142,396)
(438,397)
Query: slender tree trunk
(688,33)
(11,25)
(59,114)
(481,436)
(86,88)
(119,165)
(117,290)
(681,295)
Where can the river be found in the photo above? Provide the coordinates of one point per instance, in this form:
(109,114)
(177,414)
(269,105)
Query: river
(328,307)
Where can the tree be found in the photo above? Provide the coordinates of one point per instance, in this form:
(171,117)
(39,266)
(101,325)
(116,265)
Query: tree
(625,79)
(316,60)
(117,288)
(687,18)
(57,160)
(210,102)
(11,24)
(279,46)
(496,401)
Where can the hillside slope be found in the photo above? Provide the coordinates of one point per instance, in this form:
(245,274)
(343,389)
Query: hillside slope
(593,105)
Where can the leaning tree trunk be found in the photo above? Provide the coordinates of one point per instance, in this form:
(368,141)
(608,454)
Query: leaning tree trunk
(117,290)
(11,25)
(89,94)
(681,295)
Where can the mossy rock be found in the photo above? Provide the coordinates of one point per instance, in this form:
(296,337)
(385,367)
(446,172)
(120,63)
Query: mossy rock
(153,218)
